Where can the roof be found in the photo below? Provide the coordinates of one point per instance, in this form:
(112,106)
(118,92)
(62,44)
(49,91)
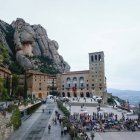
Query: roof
(96,52)
(76,72)
(33,72)
(5,70)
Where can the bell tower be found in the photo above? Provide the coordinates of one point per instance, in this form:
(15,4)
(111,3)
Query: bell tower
(97,74)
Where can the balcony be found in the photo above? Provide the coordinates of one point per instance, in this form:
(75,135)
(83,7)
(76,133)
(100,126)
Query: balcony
(67,86)
(82,86)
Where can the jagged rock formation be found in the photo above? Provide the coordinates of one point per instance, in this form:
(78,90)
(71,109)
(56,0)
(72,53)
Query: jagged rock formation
(31,41)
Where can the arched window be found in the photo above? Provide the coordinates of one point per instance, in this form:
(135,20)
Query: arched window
(68,80)
(99,57)
(96,57)
(74,82)
(92,59)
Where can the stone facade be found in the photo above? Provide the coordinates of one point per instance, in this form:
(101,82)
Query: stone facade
(87,83)
(40,85)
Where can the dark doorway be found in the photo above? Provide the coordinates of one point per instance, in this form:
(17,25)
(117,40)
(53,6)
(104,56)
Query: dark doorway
(81,94)
(87,94)
(75,95)
(63,94)
(68,94)
(40,95)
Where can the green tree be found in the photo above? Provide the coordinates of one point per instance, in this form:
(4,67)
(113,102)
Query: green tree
(7,84)
(110,100)
(25,87)
(3,91)
(4,55)
(15,82)
(1,86)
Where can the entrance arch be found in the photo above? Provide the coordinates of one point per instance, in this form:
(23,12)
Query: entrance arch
(75,95)
(40,95)
(87,94)
(68,94)
(81,94)
(63,94)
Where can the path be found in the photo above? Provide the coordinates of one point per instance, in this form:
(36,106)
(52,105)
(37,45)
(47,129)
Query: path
(36,127)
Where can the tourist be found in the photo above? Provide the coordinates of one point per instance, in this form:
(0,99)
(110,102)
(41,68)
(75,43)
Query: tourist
(92,135)
(62,131)
(49,128)
(65,130)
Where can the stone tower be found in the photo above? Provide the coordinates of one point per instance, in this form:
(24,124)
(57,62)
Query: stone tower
(97,78)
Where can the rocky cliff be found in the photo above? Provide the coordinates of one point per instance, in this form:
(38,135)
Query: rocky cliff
(29,45)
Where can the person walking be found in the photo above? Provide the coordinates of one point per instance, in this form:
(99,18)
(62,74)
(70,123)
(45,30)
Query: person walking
(49,128)
(92,135)
(62,131)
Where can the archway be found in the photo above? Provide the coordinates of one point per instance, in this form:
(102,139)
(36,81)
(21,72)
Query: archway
(87,94)
(63,94)
(68,94)
(81,94)
(40,95)
(75,95)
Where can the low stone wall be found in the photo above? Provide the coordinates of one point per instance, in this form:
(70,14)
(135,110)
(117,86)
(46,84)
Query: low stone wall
(5,129)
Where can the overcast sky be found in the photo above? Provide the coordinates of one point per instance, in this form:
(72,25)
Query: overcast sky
(84,26)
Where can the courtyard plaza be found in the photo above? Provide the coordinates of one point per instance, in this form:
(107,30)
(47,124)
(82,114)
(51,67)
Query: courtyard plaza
(89,106)
(88,109)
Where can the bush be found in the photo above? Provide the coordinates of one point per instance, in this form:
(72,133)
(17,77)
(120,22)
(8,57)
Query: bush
(110,100)
(66,122)
(63,109)
(16,118)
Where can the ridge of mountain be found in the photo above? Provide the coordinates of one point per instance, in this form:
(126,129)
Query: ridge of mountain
(29,47)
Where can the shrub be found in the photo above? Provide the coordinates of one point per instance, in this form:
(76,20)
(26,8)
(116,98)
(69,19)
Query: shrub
(63,109)
(16,118)
(66,122)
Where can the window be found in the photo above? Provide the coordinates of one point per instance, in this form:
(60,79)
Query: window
(87,85)
(95,57)
(99,57)
(39,88)
(92,59)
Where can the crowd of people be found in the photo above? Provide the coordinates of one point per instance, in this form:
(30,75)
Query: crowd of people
(102,122)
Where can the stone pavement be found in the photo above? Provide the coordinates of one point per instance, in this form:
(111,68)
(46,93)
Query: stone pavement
(36,127)
(117,136)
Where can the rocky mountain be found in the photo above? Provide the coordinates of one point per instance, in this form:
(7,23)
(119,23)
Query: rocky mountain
(30,46)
